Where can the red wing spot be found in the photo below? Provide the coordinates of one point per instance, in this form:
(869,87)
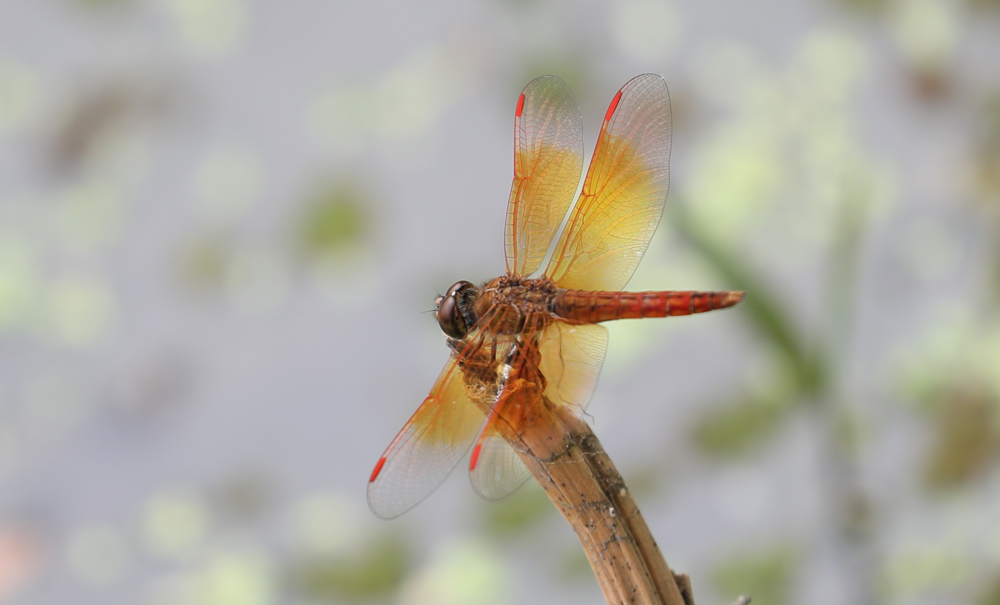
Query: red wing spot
(378,468)
(520,106)
(613,106)
(475,451)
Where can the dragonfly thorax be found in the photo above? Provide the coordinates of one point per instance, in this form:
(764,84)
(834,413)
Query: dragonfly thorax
(512,303)
(527,295)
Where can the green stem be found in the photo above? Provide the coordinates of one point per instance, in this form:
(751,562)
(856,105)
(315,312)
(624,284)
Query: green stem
(764,310)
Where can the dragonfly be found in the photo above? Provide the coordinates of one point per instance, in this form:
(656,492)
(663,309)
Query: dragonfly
(530,338)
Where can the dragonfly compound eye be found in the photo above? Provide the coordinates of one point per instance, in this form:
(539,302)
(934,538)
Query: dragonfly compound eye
(452,312)
(450,319)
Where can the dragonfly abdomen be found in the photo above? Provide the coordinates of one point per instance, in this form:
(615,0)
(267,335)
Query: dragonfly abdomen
(584,306)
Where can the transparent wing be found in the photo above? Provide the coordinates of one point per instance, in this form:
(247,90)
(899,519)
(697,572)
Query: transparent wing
(445,425)
(570,358)
(548,162)
(427,448)
(495,469)
(623,194)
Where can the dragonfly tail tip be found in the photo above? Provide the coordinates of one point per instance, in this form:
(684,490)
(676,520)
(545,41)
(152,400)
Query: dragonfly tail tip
(733,298)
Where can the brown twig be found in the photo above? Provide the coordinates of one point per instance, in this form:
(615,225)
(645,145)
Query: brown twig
(568,461)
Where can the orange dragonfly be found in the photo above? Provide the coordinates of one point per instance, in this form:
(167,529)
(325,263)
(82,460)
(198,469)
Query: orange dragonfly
(543,332)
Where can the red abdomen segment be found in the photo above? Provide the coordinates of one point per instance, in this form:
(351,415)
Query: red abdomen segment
(582,306)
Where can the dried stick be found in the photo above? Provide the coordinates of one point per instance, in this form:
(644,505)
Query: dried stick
(568,461)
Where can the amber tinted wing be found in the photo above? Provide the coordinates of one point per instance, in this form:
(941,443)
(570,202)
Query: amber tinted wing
(439,433)
(570,360)
(548,161)
(428,447)
(623,195)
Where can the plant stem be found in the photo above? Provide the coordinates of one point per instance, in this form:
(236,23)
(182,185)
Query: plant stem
(568,461)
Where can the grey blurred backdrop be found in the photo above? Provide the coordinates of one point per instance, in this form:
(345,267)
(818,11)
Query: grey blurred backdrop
(223,224)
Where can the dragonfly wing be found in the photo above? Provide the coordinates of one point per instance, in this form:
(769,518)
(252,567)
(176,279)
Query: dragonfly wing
(428,447)
(623,194)
(571,360)
(495,469)
(548,161)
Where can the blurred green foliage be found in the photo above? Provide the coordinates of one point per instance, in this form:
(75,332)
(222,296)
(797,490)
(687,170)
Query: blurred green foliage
(336,219)
(836,195)
(986,157)
(765,576)
(761,303)
(464,570)
(967,439)
(377,570)
(175,523)
(242,576)
(18,92)
(519,512)
(205,262)
(576,567)
(210,28)
(651,479)
(733,429)
(928,569)
(990,595)
(243,497)
(572,67)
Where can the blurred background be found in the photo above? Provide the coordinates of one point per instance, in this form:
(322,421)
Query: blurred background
(223,224)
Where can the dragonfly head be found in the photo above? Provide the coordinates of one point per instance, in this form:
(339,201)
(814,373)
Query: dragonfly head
(455,309)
